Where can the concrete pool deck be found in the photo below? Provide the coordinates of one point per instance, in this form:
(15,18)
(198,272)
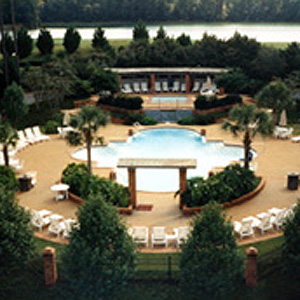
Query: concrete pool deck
(276,158)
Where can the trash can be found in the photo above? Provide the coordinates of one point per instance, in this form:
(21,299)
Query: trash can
(293,181)
(25,183)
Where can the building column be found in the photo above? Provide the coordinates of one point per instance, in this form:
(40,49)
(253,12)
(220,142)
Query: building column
(132,186)
(152,83)
(187,83)
(50,269)
(251,266)
(120,82)
(182,184)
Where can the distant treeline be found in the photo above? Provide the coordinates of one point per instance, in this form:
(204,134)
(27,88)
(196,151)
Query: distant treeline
(30,11)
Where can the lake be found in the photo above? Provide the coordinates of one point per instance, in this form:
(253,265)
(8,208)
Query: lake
(262,32)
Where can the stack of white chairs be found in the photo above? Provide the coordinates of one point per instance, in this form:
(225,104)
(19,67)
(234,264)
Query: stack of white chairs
(196,87)
(176,86)
(157,87)
(144,87)
(183,87)
(165,86)
(136,87)
(158,236)
(140,235)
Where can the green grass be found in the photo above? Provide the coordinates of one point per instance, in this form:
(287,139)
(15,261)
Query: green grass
(276,45)
(296,129)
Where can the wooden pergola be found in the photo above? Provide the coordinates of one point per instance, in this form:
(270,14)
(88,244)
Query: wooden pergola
(150,163)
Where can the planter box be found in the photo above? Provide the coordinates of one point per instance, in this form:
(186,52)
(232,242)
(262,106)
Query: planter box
(192,210)
(122,210)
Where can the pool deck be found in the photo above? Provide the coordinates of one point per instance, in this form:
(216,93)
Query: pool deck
(276,158)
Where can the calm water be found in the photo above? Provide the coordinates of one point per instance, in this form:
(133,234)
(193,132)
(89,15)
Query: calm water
(163,143)
(263,32)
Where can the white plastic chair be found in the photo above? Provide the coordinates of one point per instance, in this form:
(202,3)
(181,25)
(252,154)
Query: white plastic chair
(264,224)
(40,219)
(23,139)
(69,224)
(182,235)
(140,235)
(244,228)
(158,236)
(175,86)
(183,87)
(30,136)
(37,132)
(56,227)
(136,87)
(157,87)
(196,87)
(165,86)
(144,87)
(278,219)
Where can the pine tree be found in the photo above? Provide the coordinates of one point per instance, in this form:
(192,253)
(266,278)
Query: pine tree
(71,40)
(25,43)
(45,42)
(140,31)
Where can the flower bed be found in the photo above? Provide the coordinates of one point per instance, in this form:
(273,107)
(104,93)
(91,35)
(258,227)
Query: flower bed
(192,210)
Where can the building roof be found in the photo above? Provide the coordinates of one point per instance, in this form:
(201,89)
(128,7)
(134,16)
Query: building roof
(196,70)
(166,163)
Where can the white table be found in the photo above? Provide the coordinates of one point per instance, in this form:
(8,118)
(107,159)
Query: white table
(60,191)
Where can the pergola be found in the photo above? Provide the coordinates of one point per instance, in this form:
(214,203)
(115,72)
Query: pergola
(150,163)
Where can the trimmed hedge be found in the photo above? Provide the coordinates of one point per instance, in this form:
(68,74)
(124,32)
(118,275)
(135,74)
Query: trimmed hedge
(122,101)
(142,119)
(83,184)
(8,179)
(226,186)
(203,102)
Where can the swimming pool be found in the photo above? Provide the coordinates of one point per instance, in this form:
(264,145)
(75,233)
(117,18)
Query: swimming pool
(169,99)
(163,143)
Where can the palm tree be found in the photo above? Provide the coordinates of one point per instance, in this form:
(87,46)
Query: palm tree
(247,121)
(8,137)
(85,124)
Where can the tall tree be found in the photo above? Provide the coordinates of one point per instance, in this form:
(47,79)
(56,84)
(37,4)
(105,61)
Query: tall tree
(16,238)
(99,41)
(71,40)
(8,138)
(9,45)
(161,33)
(140,31)
(6,77)
(25,43)
(12,104)
(86,124)
(276,96)
(210,265)
(106,259)
(247,121)
(45,42)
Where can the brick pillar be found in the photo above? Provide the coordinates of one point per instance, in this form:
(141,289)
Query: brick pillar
(251,266)
(132,186)
(113,175)
(187,83)
(182,184)
(50,269)
(152,83)
(130,132)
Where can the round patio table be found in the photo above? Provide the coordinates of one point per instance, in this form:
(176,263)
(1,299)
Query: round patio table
(60,191)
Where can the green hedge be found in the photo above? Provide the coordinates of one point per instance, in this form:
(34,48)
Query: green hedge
(226,186)
(142,119)
(84,184)
(203,102)
(122,101)
(8,179)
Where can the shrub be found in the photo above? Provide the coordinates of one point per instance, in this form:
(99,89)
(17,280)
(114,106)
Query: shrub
(122,101)
(142,119)
(203,102)
(100,257)
(198,120)
(51,127)
(226,186)
(210,265)
(84,185)
(81,88)
(8,180)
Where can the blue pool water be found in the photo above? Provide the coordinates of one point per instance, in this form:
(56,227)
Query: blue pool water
(171,99)
(163,143)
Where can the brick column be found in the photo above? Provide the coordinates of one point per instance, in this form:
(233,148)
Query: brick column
(182,184)
(113,175)
(49,262)
(152,83)
(132,186)
(251,266)
(187,83)
(120,82)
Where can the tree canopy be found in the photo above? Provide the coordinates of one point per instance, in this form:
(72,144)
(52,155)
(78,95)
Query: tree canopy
(45,42)
(71,40)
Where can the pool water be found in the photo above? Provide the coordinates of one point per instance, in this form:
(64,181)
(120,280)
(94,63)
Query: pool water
(170,99)
(163,143)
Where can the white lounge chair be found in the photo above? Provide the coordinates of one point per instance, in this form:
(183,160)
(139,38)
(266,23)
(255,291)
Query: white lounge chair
(183,87)
(69,225)
(40,219)
(30,136)
(158,236)
(196,87)
(144,87)
(157,87)
(296,139)
(126,88)
(244,228)
(56,227)
(264,224)
(23,139)
(38,134)
(287,134)
(279,219)
(182,235)
(176,86)
(140,235)
(136,87)
(165,86)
